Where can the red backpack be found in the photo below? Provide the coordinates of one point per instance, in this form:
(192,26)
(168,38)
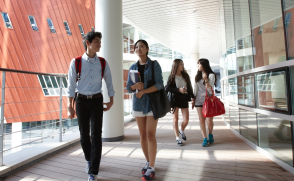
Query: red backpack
(78,64)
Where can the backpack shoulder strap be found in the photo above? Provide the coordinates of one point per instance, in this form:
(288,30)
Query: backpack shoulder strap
(103,64)
(78,64)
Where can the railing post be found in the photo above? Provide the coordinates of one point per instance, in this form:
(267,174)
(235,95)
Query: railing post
(2,118)
(60,110)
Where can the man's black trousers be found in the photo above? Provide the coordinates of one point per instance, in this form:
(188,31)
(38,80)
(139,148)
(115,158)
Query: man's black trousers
(90,109)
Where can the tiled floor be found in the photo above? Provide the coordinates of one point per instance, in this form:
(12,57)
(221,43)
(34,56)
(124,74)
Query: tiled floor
(229,158)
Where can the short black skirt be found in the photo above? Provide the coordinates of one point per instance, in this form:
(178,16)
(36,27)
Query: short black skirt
(181,101)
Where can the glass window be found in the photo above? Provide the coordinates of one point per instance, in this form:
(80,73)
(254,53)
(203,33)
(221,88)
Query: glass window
(53,82)
(243,35)
(129,40)
(6,20)
(271,89)
(246,90)
(275,137)
(230,38)
(288,11)
(33,23)
(51,26)
(48,82)
(64,82)
(292,87)
(233,90)
(42,81)
(248,125)
(267,32)
(67,28)
(234,117)
(93,28)
(81,30)
(227,114)
(226,90)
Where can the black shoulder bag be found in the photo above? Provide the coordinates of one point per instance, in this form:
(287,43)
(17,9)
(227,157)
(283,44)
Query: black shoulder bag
(158,99)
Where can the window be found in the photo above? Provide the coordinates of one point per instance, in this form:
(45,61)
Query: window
(246,90)
(271,90)
(51,86)
(276,24)
(33,23)
(267,32)
(275,137)
(67,28)
(51,26)
(93,28)
(287,19)
(81,30)
(7,20)
(248,125)
(260,29)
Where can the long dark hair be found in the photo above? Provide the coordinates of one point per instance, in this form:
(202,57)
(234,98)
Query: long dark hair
(145,43)
(174,69)
(207,69)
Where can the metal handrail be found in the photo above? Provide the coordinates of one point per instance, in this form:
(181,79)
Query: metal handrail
(2,134)
(30,72)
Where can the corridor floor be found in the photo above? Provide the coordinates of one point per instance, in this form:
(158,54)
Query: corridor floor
(229,158)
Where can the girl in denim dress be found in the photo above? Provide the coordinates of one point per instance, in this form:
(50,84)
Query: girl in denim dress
(142,106)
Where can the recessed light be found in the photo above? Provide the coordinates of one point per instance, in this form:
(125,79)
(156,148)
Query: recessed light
(195,11)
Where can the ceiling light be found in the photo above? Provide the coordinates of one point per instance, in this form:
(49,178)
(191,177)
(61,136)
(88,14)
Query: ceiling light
(195,11)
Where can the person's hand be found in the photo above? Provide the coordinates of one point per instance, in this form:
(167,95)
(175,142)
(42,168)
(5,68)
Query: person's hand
(108,105)
(204,76)
(182,90)
(139,86)
(71,112)
(139,94)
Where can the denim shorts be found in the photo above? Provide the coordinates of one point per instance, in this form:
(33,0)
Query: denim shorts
(140,114)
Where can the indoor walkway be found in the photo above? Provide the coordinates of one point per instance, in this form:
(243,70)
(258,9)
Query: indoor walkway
(229,158)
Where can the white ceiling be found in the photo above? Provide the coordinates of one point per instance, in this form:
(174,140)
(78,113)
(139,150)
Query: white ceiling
(175,24)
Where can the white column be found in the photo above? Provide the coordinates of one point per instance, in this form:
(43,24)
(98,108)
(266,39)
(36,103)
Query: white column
(108,21)
(194,67)
(16,137)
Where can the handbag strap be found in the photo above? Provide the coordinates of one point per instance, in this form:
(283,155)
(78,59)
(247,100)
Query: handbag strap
(206,96)
(153,78)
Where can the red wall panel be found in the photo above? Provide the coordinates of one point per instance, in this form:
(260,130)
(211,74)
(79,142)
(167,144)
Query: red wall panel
(22,48)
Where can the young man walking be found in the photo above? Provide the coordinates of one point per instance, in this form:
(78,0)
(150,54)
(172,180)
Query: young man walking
(84,84)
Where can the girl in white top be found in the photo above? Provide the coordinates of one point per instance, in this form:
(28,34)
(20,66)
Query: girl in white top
(205,79)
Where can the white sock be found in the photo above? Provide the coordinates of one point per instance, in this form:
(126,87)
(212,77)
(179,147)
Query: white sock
(151,168)
(181,131)
(177,138)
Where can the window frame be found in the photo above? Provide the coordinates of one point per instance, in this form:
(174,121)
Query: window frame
(52,26)
(254,91)
(53,89)
(34,21)
(2,14)
(67,31)
(288,96)
(82,33)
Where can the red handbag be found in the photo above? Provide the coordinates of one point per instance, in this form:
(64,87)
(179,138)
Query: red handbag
(212,106)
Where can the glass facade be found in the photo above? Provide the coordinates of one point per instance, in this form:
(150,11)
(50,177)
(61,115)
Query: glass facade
(275,137)
(271,90)
(267,32)
(246,90)
(257,75)
(156,49)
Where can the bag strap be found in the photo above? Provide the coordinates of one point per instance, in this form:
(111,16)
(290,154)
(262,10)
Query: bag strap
(103,62)
(78,64)
(206,96)
(153,77)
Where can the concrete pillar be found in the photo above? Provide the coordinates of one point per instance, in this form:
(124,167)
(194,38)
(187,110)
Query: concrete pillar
(194,67)
(16,137)
(108,21)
